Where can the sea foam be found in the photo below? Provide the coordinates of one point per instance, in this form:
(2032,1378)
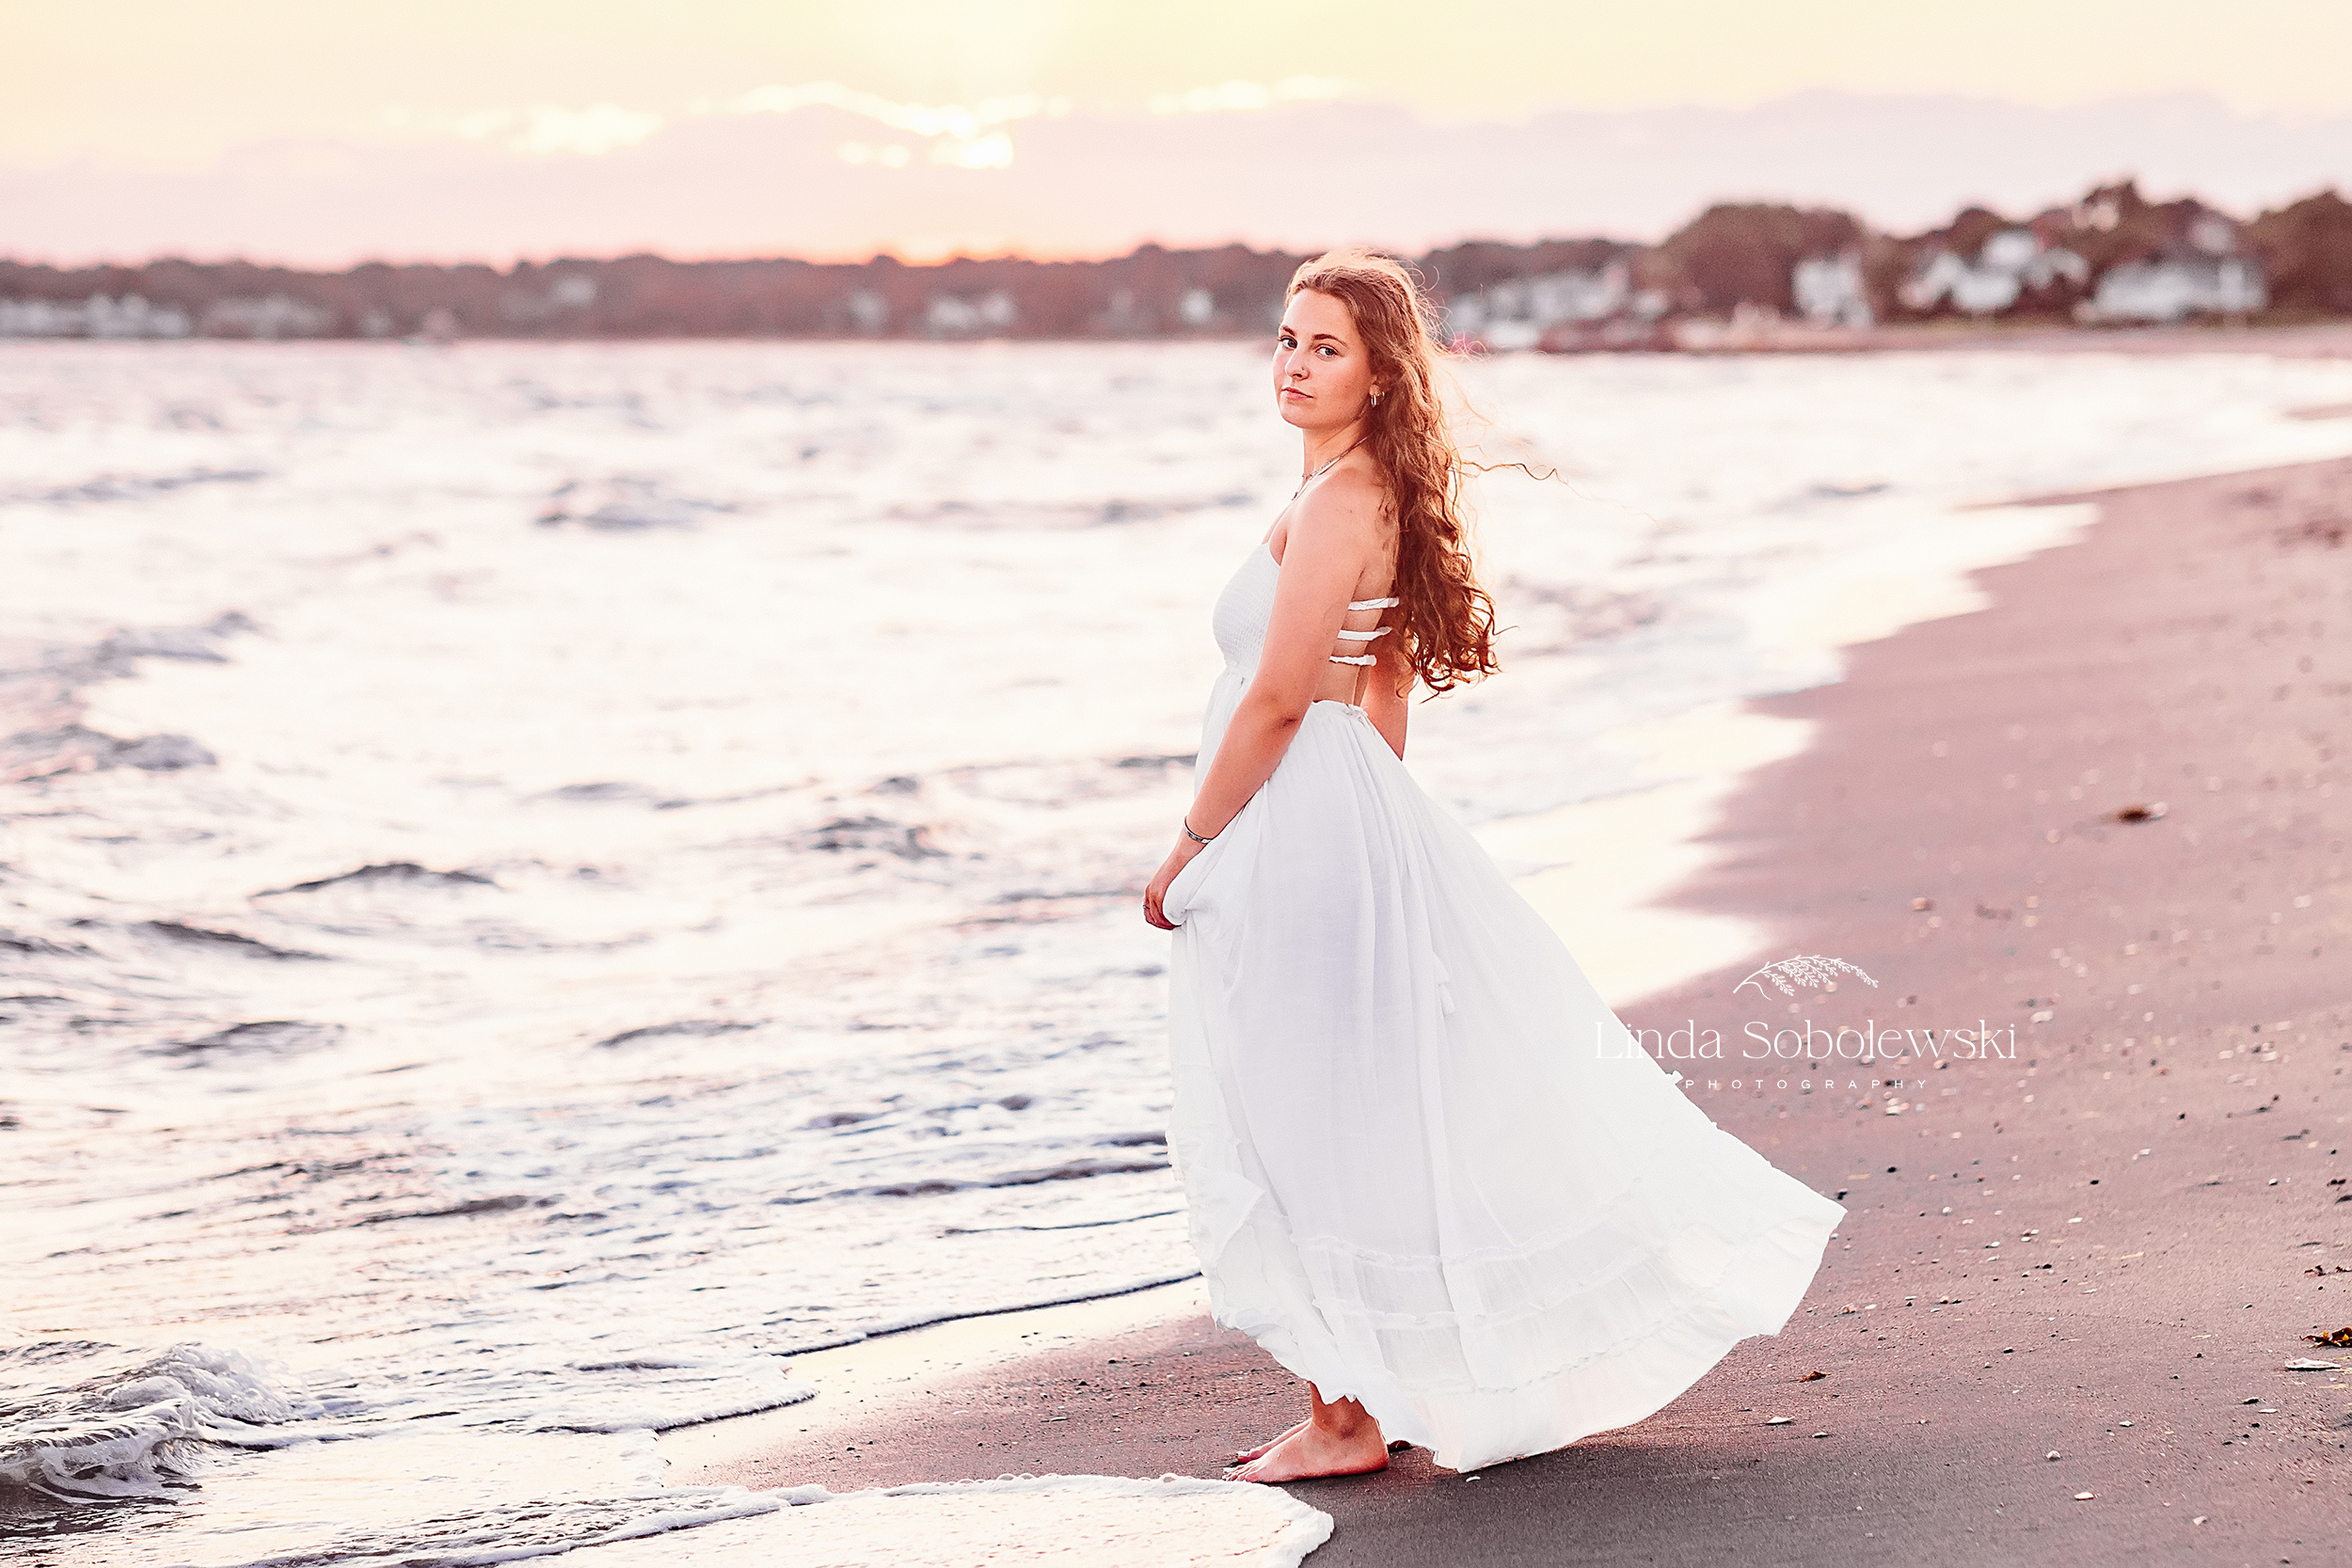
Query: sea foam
(82,1419)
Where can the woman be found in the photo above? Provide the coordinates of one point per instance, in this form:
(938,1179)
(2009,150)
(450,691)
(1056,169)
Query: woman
(1426,1166)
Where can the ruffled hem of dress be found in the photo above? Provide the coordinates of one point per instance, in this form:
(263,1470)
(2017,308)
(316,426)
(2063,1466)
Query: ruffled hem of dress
(1225,1203)
(1625,1382)
(1802,1243)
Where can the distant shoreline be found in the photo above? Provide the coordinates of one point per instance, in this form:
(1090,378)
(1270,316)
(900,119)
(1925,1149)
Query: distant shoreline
(2315,340)
(1738,277)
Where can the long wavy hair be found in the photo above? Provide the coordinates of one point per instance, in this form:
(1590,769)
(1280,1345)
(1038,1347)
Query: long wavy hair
(1445,626)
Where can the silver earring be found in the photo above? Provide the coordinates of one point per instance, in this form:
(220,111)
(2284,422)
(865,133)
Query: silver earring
(1375,400)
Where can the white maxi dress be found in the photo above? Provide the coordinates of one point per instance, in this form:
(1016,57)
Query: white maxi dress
(1426,1166)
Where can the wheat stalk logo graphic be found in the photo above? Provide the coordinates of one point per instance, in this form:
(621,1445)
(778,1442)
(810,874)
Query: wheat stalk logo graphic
(1804,968)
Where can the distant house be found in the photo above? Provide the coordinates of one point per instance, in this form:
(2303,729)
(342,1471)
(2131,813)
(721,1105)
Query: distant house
(2009,264)
(1515,313)
(276,315)
(1129,314)
(531,305)
(2177,286)
(99,316)
(956,316)
(2201,275)
(1830,291)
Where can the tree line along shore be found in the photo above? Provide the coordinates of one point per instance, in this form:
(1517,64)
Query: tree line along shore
(2114,258)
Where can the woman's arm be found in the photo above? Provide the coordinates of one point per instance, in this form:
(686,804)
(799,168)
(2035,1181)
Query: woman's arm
(1332,535)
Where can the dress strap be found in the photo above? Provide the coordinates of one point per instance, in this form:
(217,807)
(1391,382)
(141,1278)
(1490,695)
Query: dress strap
(1376,632)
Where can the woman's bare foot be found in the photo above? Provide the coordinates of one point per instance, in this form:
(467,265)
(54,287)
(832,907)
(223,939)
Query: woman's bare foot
(1338,1439)
(1245,1456)
(1312,1451)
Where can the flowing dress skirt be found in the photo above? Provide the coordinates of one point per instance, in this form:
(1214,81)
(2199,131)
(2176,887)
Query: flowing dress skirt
(1426,1168)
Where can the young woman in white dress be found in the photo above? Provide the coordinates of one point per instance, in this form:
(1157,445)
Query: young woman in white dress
(1424,1165)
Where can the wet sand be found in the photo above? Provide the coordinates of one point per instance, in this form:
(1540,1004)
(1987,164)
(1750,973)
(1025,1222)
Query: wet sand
(2154,1163)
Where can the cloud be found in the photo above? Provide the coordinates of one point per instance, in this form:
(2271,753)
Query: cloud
(1241,97)
(953,121)
(825,172)
(960,137)
(971,137)
(536,130)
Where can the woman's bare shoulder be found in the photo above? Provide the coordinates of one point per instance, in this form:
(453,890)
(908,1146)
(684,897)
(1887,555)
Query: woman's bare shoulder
(1347,503)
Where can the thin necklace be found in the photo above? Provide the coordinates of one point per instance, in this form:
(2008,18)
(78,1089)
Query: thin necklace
(1325,468)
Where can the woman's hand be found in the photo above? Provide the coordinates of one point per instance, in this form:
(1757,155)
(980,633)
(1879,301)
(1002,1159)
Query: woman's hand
(1177,860)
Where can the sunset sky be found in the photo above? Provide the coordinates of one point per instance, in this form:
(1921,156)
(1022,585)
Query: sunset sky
(132,126)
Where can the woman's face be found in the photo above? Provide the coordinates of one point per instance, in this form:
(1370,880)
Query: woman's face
(1322,374)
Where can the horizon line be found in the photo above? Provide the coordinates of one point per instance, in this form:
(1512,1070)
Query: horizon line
(882,255)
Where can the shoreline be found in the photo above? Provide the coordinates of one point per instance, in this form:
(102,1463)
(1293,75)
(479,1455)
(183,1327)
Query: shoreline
(1706,335)
(1610,866)
(2166,1190)
(885,1376)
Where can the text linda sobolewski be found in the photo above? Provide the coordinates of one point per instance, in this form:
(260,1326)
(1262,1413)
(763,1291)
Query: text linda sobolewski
(1761,1042)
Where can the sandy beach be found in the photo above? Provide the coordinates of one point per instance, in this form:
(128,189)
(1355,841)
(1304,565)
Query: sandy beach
(2098,825)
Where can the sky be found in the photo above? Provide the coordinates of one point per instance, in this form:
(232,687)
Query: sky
(496,127)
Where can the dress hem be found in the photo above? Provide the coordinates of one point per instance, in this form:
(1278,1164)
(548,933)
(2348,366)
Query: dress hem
(1658,1384)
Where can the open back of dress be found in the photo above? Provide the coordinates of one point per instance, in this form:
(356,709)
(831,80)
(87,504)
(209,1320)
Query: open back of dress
(1425,1165)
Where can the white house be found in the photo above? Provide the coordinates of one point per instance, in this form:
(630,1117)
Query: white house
(2175,287)
(99,316)
(1515,313)
(953,315)
(1830,291)
(2208,278)
(2007,264)
(264,316)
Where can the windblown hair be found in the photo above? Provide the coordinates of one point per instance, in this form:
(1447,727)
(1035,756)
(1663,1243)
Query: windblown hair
(1445,624)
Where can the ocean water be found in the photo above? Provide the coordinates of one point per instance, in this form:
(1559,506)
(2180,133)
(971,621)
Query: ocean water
(538,881)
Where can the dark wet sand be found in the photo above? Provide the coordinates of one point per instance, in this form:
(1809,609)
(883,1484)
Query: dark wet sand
(2195,649)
